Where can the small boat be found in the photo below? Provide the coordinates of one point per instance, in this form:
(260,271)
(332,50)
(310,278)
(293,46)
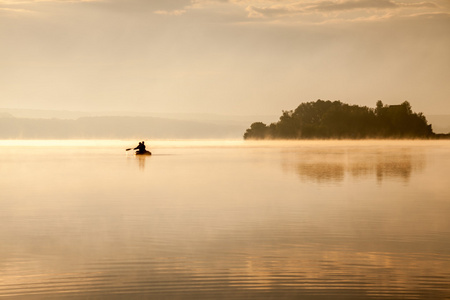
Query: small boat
(143,153)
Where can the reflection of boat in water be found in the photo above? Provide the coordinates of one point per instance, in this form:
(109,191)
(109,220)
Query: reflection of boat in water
(143,153)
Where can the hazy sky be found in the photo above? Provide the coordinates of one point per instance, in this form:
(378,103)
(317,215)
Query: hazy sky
(223,56)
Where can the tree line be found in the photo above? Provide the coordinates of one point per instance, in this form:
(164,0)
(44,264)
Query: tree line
(336,120)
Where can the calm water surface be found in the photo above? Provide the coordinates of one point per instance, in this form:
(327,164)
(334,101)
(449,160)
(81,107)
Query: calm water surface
(225,220)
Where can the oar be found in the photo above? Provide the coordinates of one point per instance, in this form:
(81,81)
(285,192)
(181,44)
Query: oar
(129,149)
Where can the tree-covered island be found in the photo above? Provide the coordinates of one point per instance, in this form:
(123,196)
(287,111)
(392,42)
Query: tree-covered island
(336,120)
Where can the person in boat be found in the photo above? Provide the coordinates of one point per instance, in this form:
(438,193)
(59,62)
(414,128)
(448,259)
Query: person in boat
(140,148)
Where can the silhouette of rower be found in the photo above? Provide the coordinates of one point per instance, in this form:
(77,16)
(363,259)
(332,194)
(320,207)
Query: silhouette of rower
(140,148)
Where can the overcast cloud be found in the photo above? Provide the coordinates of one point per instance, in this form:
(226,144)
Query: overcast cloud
(233,57)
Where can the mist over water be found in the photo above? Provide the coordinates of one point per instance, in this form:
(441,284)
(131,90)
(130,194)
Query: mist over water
(225,220)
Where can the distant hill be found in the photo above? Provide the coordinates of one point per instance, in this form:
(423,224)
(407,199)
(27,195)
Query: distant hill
(43,114)
(5,115)
(73,115)
(114,128)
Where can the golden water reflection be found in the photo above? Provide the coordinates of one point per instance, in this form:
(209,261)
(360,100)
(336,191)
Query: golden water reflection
(226,222)
(335,165)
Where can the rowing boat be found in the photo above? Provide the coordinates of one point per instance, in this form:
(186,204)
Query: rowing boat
(143,153)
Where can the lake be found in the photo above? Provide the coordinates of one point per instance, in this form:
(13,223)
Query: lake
(225,220)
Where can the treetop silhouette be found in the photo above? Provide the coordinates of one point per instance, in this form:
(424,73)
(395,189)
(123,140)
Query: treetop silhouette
(336,120)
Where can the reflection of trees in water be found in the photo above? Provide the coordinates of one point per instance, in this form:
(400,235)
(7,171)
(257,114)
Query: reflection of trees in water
(396,165)
(322,171)
(323,165)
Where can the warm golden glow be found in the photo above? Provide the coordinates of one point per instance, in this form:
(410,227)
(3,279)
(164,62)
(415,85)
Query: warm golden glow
(235,57)
(81,218)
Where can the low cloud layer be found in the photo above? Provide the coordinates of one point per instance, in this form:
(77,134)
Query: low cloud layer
(349,10)
(282,11)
